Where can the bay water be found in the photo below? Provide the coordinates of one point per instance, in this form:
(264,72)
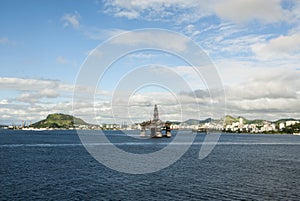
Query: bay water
(54,165)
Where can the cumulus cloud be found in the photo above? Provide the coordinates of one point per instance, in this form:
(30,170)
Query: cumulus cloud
(140,108)
(260,93)
(156,39)
(275,87)
(278,48)
(33,90)
(71,19)
(246,10)
(16,112)
(33,97)
(20,84)
(3,101)
(264,92)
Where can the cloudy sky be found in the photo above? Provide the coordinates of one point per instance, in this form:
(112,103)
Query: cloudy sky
(253,44)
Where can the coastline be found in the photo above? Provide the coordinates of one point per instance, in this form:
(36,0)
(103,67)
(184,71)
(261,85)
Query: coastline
(199,133)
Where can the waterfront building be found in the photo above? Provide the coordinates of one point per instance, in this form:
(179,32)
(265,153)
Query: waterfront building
(281,126)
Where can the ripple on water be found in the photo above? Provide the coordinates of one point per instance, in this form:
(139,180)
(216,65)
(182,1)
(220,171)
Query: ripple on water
(57,167)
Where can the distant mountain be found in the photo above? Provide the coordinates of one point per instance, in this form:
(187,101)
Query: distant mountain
(206,121)
(229,119)
(174,122)
(196,121)
(59,121)
(191,122)
(255,121)
(284,120)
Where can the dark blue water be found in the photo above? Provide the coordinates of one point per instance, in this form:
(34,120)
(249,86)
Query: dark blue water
(53,165)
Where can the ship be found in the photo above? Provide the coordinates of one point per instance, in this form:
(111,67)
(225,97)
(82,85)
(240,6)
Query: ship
(157,127)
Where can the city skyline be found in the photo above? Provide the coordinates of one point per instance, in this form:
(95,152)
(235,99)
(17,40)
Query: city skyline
(254,45)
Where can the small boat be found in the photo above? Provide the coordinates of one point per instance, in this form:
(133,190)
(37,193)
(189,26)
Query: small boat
(168,130)
(168,134)
(157,135)
(201,130)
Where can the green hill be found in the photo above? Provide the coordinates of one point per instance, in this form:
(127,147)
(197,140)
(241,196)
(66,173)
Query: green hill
(59,121)
(229,119)
(284,120)
(196,122)
(191,122)
(256,121)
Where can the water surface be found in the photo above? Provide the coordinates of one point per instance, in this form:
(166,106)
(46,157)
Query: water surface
(54,165)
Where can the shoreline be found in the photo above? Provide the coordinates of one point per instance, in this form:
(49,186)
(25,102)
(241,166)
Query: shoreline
(74,129)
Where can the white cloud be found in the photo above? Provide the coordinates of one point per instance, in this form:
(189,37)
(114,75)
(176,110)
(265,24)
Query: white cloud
(159,9)
(294,11)
(191,30)
(34,90)
(192,10)
(20,84)
(229,40)
(33,97)
(3,102)
(16,113)
(45,88)
(256,91)
(128,14)
(246,10)
(278,48)
(156,39)
(71,20)
(282,86)
(261,90)
(139,107)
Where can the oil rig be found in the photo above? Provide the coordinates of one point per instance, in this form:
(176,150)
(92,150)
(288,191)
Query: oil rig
(157,127)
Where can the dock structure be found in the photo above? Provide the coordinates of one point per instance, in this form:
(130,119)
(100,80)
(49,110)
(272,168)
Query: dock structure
(156,126)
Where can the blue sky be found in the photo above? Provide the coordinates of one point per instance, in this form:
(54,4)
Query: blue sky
(255,45)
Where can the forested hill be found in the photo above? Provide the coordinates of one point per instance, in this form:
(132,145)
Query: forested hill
(59,121)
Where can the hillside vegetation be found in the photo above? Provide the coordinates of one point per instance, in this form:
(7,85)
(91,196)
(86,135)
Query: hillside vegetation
(59,121)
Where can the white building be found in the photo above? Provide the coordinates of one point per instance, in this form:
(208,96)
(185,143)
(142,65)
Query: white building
(281,126)
(241,121)
(290,123)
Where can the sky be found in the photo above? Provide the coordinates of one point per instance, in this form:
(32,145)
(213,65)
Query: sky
(254,45)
